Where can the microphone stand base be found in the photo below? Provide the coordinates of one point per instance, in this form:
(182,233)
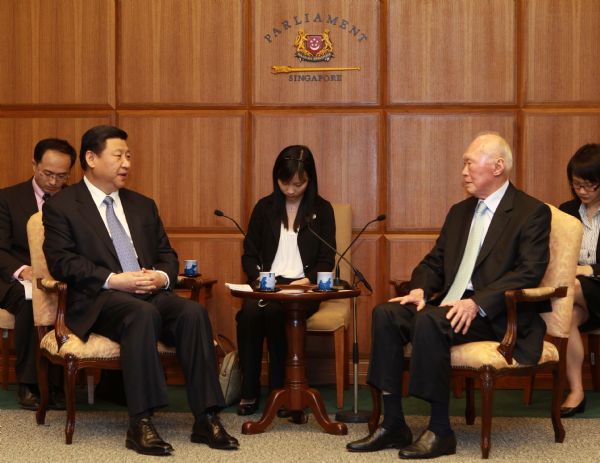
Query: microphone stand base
(348,416)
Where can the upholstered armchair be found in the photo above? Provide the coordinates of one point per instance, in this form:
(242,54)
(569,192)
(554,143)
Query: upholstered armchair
(333,317)
(488,360)
(59,345)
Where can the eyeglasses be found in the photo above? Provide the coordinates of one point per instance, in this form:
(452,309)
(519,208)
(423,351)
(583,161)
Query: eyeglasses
(589,187)
(53,176)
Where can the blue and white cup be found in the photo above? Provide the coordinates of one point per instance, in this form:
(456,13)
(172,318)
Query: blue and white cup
(190,267)
(266,281)
(324,281)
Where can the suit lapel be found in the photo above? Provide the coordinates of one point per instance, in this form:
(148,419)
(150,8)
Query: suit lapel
(31,206)
(90,213)
(499,222)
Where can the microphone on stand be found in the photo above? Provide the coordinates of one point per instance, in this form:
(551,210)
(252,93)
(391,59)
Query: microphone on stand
(219,213)
(337,281)
(358,274)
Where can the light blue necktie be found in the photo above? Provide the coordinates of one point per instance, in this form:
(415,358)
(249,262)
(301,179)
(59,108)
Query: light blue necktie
(467,264)
(122,243)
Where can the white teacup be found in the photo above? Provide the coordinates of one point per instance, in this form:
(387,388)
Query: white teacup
(324,281)
(266,281)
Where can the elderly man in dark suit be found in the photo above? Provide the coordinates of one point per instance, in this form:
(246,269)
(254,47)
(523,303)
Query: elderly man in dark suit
(108,243)
(52,162)
(493,241)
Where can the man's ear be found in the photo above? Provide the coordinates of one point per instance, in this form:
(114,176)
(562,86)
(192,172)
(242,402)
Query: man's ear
(499,167)
(90,157)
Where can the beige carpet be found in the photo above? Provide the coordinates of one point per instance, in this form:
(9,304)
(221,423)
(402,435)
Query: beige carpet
(99,437)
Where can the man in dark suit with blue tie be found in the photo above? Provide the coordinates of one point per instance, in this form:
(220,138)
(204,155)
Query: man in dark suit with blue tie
(493,241)
(52,162)
(108,243)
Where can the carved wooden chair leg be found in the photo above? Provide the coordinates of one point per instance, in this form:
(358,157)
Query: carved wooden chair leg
(376,413)
(487,392)
(5,358)
(42,372)
(558,379)
(70,385)
(594,349)
(528,389)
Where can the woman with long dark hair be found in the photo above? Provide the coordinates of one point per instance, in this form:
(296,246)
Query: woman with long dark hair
(279,241)
(583,172)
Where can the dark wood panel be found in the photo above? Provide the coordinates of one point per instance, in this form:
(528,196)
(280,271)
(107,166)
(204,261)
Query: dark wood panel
(425,163)
(57,52)
(549,142)
(181,51)
(458,51)
(190,164)
(562,54)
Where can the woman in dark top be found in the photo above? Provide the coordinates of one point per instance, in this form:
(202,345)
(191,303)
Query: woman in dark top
(583,172)
(278,240)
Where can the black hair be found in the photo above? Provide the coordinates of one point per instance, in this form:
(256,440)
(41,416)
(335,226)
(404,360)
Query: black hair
(296,159)
(95,140)
(585,164)
(54,144)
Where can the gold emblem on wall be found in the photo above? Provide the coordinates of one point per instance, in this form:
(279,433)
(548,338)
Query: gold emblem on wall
(312,48)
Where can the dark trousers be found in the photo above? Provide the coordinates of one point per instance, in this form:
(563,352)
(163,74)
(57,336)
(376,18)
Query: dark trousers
(254,323)
(25,335)
(394,325)
(137,323)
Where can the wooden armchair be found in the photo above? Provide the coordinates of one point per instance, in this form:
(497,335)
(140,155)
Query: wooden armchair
(488,360)
(59,345)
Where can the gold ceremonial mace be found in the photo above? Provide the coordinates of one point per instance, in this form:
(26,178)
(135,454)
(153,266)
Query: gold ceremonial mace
(287,69)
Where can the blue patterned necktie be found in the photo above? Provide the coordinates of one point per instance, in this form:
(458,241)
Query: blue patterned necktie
(122,243)
(467,264)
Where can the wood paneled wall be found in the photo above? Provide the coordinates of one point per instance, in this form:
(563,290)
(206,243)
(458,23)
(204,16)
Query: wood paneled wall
(192,83)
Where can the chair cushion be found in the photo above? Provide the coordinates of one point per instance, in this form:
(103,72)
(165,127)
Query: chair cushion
(97,346)
(477,354)
(7,320)
(331,315)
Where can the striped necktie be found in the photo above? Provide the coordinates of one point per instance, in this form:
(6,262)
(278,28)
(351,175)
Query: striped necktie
(122,243)
(467,264)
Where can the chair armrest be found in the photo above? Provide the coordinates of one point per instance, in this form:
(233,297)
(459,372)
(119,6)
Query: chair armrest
(194,284)
(401,287)
(54,286)
(514,296)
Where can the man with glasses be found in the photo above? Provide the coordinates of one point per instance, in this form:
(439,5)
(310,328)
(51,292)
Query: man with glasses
(52,162)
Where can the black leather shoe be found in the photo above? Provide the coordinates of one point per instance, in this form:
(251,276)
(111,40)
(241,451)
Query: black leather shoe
(295,416)
(566,412)
(248,408)
(210,431)
(380,439)
(56,401)
(27,399)
(429,445)
(143,438)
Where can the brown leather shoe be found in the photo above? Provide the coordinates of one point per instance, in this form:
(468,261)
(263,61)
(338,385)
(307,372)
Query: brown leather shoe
(27,399)
(381,439)
(210,431)
(143,438)
(429,445)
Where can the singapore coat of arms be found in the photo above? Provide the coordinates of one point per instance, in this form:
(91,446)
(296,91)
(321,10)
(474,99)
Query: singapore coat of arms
(313,47)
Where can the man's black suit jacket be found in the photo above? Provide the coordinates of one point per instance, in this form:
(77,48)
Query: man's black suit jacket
(79,249)
(17,205)
(514,255)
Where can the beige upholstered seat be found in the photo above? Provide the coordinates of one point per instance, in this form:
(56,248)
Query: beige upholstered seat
(60,345)
(7,324)
(487,360)
(333,317)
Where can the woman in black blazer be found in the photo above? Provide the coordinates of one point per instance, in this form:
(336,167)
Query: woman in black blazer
(278,240)
(583,172)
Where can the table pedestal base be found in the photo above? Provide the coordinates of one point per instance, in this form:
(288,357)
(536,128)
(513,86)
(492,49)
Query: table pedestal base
(309,397)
